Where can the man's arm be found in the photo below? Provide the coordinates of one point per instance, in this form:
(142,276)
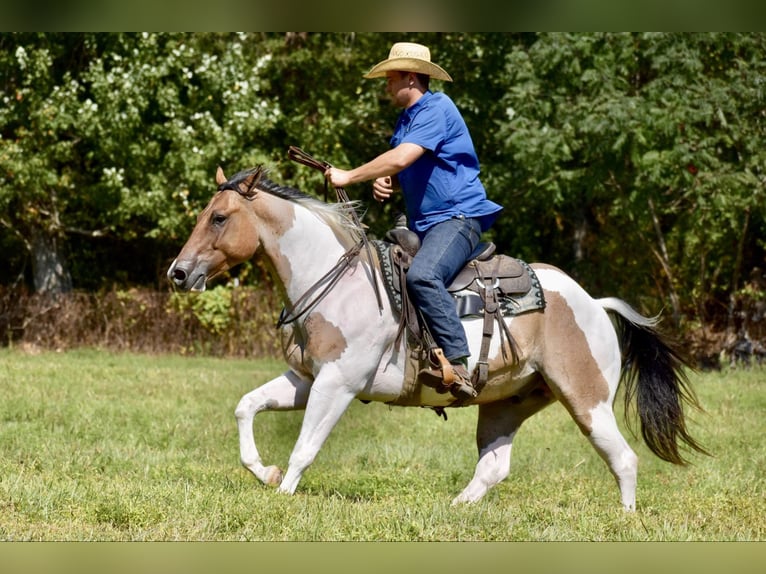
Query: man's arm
(388,163)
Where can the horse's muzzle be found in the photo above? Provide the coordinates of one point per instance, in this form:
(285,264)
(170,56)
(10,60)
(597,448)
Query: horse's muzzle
(181,278)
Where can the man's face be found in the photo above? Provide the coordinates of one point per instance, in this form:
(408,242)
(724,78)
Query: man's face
(397,87)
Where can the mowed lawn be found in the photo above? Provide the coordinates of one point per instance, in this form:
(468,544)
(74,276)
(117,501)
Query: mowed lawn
(122,447)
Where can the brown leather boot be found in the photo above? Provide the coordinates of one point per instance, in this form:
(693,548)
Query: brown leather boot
(448,377)
(462,387)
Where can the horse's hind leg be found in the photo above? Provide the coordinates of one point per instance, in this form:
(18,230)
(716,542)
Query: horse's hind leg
(497,425)
(582,365)
(588,398)
(606,438)
(286,392)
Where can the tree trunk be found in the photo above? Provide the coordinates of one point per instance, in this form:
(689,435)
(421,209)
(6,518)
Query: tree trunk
(662,256)
(49,267)
(737,271)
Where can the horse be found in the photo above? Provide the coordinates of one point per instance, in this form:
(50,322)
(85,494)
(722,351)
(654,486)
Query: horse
(340,346)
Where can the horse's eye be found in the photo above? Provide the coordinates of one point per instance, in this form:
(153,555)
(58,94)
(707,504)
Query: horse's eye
(218,219)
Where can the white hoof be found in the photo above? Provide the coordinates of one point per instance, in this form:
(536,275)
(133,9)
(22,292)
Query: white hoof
(460,499)
(273,476)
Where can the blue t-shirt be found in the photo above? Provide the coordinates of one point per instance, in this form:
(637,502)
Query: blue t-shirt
(444,182)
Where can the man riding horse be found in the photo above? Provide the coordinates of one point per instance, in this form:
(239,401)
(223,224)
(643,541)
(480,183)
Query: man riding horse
(433,161)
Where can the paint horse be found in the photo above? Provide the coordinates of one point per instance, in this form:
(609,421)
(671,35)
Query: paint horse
(340,345)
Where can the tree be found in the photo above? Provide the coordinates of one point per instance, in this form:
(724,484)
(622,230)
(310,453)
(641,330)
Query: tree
(39,144)
(634,161)
(641,160)
(111,137)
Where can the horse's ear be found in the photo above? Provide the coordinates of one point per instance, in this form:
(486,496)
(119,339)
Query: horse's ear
(247,187)
(220,179)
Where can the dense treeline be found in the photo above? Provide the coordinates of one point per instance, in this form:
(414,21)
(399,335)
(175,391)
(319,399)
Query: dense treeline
(634,161)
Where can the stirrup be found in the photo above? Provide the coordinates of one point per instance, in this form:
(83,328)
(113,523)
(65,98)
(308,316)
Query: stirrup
(448,377)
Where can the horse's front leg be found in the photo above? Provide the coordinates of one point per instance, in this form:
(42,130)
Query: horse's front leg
(328,400)
(284,393)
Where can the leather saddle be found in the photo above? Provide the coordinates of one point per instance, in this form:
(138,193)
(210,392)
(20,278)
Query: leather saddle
(504,273)
(484,287)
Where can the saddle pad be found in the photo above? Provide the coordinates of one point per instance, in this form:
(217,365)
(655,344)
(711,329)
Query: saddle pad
(390,275)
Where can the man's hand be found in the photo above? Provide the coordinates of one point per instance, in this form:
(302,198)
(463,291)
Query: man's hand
(338,177)
(382,188)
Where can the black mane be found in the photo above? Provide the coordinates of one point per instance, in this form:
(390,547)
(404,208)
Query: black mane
(263,183)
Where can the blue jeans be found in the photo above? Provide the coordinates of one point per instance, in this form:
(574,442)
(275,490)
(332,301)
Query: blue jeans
(446,248)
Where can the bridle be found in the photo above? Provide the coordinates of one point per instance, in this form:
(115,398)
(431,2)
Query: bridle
(321,288)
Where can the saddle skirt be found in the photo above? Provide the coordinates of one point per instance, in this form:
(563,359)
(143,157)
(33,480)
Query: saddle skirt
(518,289)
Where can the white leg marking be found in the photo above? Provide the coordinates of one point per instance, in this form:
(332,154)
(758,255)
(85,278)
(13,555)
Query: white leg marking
(326,404)
(497,426)
(493,467)
(286,392)
(608,441)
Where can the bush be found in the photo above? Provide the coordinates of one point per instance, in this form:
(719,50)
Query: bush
(223,321)
(239,321)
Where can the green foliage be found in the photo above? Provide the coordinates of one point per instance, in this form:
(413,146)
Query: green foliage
(635,161)
(119,135)
(211,307)
(638,153)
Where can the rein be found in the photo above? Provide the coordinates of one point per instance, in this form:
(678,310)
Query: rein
(300,156)
(330,278)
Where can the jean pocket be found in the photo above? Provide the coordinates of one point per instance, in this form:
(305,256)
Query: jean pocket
(470,230)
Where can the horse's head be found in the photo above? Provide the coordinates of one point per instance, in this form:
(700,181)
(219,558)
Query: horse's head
(225,235)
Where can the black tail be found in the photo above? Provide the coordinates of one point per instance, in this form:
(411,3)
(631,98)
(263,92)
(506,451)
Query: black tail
(654,375)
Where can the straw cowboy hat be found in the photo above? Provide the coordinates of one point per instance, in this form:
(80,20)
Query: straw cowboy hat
(408,57)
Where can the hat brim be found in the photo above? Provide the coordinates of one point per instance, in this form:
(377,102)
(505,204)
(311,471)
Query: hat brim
(408,65)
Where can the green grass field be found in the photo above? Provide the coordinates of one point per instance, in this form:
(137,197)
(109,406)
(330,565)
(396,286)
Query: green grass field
(110,447)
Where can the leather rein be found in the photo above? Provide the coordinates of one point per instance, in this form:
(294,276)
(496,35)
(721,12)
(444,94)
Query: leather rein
(325,284)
